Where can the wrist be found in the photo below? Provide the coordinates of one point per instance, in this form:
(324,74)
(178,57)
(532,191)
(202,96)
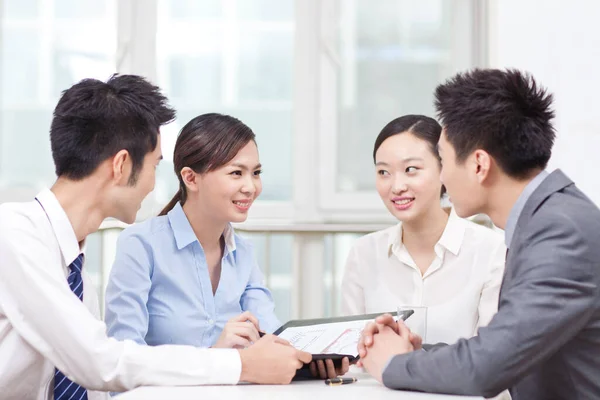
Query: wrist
(245,359)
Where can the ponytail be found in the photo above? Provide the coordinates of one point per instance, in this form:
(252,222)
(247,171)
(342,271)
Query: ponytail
(180,196)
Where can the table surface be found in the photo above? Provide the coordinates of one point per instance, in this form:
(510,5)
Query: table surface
(365,387)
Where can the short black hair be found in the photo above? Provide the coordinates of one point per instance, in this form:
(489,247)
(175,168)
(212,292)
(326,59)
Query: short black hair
(423,127)
(94,120)
(504,112)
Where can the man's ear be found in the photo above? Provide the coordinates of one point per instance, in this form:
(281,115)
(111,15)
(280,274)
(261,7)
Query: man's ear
(122,166)
(189,178)
(483,163)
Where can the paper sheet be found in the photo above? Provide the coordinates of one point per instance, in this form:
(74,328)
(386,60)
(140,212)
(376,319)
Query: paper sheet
(331,338)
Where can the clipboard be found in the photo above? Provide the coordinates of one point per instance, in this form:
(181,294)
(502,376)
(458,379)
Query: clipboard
(335,337)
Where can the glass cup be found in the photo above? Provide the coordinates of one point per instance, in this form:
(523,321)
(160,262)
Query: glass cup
(417,322)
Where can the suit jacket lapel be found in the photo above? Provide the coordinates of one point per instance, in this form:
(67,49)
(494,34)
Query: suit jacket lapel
(553,183)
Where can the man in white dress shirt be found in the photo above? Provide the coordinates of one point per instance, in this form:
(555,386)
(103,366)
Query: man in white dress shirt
(106,145)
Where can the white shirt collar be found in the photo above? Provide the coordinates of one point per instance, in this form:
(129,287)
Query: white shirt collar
(451,238)
(63,230)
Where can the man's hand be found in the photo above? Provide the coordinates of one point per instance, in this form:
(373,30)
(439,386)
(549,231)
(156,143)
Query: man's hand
(385,320)
(324,370)
(271,360)
(386,343)
(239,332)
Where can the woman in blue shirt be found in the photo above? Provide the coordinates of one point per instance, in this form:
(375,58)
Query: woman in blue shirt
(185,277)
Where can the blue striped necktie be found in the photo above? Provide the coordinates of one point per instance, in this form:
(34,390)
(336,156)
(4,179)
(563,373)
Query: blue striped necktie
(64,388)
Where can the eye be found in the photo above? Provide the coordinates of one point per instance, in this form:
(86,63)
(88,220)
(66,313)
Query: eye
(382,172)
(410,170)
(258,172)
(236,173)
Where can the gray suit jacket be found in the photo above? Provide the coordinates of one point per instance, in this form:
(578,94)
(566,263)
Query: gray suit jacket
(544,342)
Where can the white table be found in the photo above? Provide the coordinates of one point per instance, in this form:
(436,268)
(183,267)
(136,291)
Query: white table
(365,388)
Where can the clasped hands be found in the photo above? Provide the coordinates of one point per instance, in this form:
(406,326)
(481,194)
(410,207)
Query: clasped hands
(242,331)
(382,339)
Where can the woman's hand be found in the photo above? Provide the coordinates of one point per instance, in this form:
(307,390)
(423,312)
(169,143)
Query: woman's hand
(239,332)
(326,369)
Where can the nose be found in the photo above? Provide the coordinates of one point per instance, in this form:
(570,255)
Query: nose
(248,188)
(399,185)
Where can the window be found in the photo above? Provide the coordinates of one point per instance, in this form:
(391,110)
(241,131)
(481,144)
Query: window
(40,56)
(233,57)
(384,61)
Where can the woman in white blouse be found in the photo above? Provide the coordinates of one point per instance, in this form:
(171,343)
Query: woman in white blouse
(432,257)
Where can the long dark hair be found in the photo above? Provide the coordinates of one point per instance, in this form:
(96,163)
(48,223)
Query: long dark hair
(425,128)
(204,144)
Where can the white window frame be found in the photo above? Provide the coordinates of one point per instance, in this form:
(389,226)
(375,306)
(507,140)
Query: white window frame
(366,205)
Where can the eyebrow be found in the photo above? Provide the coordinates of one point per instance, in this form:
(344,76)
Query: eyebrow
(244,167)
(407,159)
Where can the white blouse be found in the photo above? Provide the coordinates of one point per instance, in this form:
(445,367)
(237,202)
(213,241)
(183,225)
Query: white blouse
(460,288)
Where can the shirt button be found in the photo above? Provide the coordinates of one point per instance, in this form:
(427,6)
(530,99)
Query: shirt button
(210,322)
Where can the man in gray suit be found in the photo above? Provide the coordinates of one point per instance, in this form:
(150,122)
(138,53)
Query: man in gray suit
(544,342)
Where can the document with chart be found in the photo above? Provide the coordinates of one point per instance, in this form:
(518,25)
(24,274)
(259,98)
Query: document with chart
(333,338)
(328,336)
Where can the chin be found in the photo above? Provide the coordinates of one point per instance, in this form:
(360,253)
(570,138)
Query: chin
(405,216)
(239,218)
(463,212)
(128,219)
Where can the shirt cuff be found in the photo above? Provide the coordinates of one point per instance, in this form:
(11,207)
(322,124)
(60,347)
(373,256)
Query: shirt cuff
(227,366)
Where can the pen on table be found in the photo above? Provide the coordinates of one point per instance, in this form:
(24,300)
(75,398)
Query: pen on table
(339,381)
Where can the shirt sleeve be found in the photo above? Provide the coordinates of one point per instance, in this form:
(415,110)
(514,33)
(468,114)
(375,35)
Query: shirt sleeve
(256,297)
(126,311)
(488,302)
(353,297)
(41,308)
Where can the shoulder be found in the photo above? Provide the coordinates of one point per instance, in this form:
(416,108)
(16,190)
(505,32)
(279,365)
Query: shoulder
(243,244)
(480,236)
(562,218)
(23,227)
(562,230)
(566,216)
(568,210)
(148,230)
(376,240)
(22,219)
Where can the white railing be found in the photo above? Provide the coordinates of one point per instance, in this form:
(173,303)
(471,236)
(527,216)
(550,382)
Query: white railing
(313,257)
(303,263)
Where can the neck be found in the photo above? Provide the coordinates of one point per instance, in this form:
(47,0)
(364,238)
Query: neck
(503,196)
(208,231)
(426,231)
(81,203)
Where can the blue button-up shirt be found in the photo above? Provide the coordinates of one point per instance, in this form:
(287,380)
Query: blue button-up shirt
(159,291)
